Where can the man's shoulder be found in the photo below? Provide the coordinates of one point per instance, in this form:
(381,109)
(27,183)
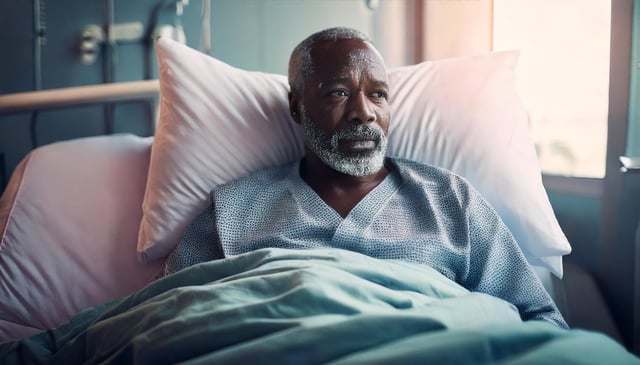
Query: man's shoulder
(432,180)
(423,171)
(251,197)
(261,178)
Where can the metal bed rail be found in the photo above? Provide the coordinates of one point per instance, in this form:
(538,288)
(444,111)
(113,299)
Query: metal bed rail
(78,96)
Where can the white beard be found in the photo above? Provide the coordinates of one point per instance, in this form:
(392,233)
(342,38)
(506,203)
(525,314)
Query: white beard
(326,147)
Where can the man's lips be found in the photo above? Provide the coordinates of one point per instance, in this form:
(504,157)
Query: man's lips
(358,145)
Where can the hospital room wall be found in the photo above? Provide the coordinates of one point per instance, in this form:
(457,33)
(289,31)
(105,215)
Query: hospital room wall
(59,67)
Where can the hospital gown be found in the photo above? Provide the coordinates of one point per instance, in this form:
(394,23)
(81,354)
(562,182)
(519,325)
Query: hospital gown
(418,213)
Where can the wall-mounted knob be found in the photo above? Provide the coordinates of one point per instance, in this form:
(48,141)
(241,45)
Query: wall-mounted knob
(93,35)
(90,37)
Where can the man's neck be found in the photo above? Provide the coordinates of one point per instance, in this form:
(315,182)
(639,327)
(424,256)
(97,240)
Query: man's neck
(339,190)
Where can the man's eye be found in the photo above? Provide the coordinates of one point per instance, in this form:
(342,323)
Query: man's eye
(338,93)
(380,94)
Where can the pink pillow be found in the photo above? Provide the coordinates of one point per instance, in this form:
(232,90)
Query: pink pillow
(69,219)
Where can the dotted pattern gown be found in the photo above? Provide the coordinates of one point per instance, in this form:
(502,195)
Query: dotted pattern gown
(419,213)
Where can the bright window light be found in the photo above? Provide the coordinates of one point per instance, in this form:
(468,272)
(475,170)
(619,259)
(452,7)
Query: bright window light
(563,77)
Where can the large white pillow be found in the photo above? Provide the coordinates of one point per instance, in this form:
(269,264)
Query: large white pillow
(218,123)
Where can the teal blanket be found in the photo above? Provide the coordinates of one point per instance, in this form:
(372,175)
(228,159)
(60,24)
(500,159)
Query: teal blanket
(321,306)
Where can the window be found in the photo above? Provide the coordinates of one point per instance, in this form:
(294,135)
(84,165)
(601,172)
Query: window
(563,77)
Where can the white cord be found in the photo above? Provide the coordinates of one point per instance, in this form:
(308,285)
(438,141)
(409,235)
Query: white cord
(205,39)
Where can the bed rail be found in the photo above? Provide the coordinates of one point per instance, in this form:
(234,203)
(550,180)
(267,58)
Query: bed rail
(78,96)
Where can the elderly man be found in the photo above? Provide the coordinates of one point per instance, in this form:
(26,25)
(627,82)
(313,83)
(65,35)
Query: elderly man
(344,193)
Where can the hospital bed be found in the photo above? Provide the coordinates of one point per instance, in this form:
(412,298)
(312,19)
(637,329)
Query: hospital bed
(83,239)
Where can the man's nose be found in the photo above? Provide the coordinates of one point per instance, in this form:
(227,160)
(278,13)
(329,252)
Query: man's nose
(360,109)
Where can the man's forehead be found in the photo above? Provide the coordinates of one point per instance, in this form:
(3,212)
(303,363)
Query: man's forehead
(346,56)
(356,49)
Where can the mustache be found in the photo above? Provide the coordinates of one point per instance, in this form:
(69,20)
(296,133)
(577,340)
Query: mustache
(359,131)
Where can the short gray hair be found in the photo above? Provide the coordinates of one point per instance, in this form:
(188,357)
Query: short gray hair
(301,64)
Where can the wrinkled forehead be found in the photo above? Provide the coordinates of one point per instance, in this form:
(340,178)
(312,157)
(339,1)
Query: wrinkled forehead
(347,58)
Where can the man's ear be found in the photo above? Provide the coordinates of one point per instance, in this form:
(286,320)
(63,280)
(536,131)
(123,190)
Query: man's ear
(294,106)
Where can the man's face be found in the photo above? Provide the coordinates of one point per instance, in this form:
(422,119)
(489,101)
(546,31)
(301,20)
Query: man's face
(344,110)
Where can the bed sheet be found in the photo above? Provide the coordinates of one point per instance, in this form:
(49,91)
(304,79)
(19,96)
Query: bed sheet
(320,306)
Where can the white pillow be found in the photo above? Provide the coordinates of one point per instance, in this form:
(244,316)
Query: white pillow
(218,123)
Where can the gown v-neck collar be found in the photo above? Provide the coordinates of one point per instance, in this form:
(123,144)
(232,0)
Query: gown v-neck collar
(362,213)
